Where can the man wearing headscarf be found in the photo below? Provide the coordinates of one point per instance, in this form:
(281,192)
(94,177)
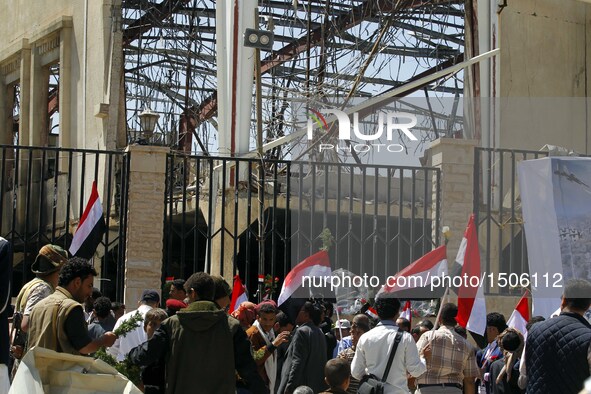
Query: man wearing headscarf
(265,344)
(46,267)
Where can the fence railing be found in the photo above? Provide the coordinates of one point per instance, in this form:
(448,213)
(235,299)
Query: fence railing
(381,217)
(43,193)
(497,207)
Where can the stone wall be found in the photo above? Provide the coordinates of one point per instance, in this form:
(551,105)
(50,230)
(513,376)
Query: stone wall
(145,221)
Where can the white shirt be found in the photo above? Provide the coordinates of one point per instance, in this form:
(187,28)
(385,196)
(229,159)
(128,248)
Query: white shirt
(371,356)
(134,338)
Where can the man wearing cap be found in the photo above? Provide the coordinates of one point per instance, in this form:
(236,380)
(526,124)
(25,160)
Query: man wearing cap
(46,268)
(342,331)
(57,322)
(150,299)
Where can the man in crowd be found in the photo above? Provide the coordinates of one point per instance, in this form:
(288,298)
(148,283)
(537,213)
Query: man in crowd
(57,322)
(342,331)
(359,327)
(373,349)
(177,290)
(248,379)
(265,343)
(89,305)
(558,350)
(504,373)
(306,355)
(495,324)
(403,324)
(46,268)
(452,364)
(196,344)
(103,319)
(150,299)
(283,323)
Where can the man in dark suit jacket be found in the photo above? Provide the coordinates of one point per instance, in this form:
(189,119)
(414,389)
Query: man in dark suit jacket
(306,356)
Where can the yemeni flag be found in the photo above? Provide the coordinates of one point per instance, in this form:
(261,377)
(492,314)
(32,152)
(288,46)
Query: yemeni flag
(315,266)
(520,315)
(295,291)
(407,312)
(91,228)
(471,305)
(414,282)
(239,294)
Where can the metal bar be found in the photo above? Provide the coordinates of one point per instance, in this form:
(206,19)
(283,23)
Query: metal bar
(437,240)
(249,222)
(412,216)
(68,195)
(28,202)
(426,244)
(513,218)
(41,228)
(196,232)
(105,265)
(171,232)
(82,174)
(183,218)
(389,174)
(223,219)
(400,216)
(288,233)
(362,219)
(488,211)
(376,203)
(500,249)
(236,213)
(210,216)
(274,221)
(15,190)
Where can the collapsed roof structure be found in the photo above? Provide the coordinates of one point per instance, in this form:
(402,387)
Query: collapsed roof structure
(321,49)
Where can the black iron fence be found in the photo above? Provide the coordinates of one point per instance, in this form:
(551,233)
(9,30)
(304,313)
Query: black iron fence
(497,207)
(43,193)
(264,217)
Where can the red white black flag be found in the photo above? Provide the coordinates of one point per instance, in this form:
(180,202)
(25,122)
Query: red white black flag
(91,228)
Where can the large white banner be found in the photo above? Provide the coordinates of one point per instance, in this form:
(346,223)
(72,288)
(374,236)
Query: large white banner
(556,206)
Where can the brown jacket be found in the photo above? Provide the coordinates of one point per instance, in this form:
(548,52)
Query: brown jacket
(260,351)
(47,322)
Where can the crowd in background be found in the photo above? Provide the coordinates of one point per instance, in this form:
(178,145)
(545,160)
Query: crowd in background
(191,344)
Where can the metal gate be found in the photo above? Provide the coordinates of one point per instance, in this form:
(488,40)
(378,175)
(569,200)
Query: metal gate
(497,207)
(381,217)
(43,192)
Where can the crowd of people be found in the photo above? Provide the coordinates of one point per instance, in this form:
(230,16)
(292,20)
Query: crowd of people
(191,344)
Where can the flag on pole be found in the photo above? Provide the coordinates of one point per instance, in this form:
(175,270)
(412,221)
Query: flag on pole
(520,315)
(471,305)
(91,228)
(414,281)
(239,294)
(407,312)
(317,265)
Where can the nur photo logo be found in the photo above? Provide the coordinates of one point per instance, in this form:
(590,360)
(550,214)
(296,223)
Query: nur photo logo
(392,124)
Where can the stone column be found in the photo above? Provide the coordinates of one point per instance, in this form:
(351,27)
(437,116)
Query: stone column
(455,158)
(145,221)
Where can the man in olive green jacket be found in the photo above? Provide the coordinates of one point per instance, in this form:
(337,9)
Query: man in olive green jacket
(196,344)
